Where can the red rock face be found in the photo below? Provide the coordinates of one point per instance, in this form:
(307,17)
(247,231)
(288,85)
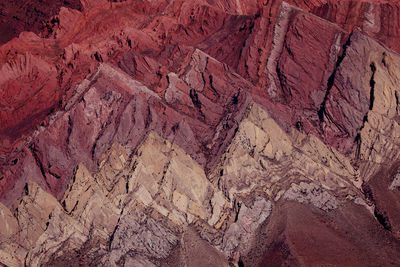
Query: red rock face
(19,16)
(22,98)
(200,120)
(155,42)
(378,19)
(77,77)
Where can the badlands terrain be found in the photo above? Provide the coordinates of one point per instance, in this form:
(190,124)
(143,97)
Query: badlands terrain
(200,133)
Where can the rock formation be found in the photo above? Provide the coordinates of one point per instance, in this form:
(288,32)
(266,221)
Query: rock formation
(200,133)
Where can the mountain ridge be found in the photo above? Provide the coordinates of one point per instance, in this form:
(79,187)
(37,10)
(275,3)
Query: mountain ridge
(245,134)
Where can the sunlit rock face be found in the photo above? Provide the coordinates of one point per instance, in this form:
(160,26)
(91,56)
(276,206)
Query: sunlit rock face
(199,133)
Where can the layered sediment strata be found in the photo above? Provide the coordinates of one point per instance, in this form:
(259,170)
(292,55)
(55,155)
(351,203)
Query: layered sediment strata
(135,210)
(156,133)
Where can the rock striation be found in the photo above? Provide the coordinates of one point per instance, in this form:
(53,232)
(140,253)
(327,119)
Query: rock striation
(200,133)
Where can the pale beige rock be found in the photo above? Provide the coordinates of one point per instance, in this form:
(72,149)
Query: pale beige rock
(177,218)
(263,156)
(173,178)
(174,188)
(163,211)
(147,171)
(9,224)
(143,196)
(180,201)
(380,134)
(11,254)
(218,203)
(63,235)
(115,168)
(197,210)
(86,201)
(111,163)
(75,193)
(33,212)
(187,176)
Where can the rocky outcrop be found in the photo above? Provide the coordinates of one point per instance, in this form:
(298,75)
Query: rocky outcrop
(202,133)
(116,215)
(376,18)
(135,210)
(247,222)
(19,16)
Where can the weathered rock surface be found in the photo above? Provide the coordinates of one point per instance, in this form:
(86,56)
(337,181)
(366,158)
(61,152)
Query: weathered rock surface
(248,220)
(19,16)
(200,133)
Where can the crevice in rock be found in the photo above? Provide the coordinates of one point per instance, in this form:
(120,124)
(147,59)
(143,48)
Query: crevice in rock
(367,192)
(203,78)
(210,78)
(382,218)
(117,120)
(39,163)
(148,118)
(26,189)
(48,222)
(235,98)
(238,206)
(165,170)
(98,57)
(113,234)
(331,79)
(373,145)
(384,59)
(195,99)
(54,175)
(371,105)
(74,208)
(240,263)
(280,79)
(70,125)
(211,206)
(93,150)
(166,76)
(358,143)
(74,177)
(115,230)
(109,121)
(288,49)
(60,78)
(127,186)
(299,126)
(372,86)
(26,258)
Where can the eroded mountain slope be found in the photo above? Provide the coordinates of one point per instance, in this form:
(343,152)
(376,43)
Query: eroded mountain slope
(202,133)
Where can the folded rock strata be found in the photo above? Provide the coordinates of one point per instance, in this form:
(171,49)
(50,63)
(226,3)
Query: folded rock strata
(202,133)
